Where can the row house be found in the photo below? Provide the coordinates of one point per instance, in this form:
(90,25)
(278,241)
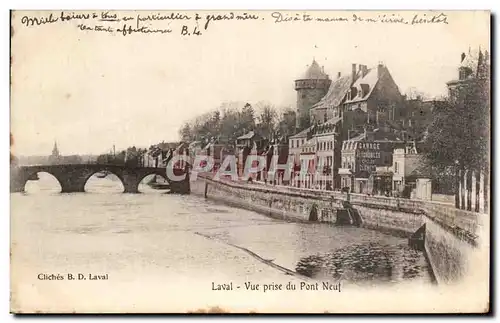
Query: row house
(182,150)
(307,158)
(217,152)
(296,142)
(272,173)
(159,155)
(251,143)
(195,148)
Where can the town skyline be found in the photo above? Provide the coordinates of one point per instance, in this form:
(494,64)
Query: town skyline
(94,102)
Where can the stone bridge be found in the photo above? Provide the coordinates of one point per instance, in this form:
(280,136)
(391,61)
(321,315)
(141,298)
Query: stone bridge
(73,177)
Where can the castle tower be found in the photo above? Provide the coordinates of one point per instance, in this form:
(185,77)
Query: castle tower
(310,89)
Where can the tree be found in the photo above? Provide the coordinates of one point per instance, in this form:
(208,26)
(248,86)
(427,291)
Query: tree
(459,134)
(185,132)
(286,122)
(268,120)
(247,118)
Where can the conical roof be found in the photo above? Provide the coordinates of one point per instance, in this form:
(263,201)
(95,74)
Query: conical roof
(315,72)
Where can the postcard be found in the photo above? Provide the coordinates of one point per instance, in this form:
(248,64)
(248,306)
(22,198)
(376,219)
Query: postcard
(250,161)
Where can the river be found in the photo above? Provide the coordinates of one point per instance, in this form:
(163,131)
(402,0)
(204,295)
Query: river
(167,252)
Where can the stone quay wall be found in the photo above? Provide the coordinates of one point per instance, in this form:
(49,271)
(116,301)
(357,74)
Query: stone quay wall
(451,235)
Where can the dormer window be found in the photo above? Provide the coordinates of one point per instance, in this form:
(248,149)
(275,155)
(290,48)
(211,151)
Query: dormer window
(365,88)
(353,93)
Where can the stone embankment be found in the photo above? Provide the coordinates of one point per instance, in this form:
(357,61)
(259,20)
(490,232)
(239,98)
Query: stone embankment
(450,235)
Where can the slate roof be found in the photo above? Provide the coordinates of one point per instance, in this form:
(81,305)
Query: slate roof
(332,121)
(168,145)
(248,135)
(336,93)
(302,134)
(423,171)
(377,136)
(183,145)
(371,79)
(195,144)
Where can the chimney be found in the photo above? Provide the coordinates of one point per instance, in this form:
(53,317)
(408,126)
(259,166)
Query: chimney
(338,75)
(462,57)
(353,72)
(380,69)
(364,70)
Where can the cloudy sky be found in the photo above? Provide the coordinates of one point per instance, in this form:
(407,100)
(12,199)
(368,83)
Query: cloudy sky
(90,90)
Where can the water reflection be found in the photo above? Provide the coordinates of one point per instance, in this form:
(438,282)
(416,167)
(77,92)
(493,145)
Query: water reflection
(365,262)
(108,184)
(45,184)
(98,183)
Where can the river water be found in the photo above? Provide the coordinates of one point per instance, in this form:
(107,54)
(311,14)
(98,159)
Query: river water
(168,252)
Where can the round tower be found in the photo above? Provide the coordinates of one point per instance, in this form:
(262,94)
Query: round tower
(310,89)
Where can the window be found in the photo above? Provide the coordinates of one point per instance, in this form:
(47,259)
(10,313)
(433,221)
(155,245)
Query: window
(396,166)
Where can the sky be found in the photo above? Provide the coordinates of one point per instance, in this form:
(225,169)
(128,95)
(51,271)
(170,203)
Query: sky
(92,90)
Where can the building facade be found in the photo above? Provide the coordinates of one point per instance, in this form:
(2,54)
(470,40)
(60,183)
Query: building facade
(406,162)
(363,159)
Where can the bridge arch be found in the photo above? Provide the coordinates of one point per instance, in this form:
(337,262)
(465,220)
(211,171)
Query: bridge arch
(142,176)
(89,180)
(42,180)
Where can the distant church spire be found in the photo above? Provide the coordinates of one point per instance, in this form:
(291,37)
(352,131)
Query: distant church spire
(55,151)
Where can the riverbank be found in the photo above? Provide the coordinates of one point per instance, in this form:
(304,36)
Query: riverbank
(451,236)
(150,242)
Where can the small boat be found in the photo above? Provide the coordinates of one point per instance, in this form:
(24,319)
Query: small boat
(34,177)
(102,174)
(159,186)
(154,184)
